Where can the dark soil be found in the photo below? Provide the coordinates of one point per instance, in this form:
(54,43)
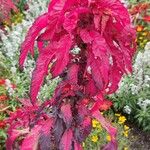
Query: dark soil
(140,139)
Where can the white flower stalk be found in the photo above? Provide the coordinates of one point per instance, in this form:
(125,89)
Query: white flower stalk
(140,79)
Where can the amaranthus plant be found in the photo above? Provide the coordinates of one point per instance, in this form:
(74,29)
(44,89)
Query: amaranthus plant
(101,32)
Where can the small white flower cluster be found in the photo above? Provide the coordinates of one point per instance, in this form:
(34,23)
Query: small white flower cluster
(9,87)
(127,109)
(143,103)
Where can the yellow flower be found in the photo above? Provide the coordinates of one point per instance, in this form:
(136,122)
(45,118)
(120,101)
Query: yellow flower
(118,115)
(122,119)
(108,138)
(144,33)
(125,148)
(126,127)
(94,138)
(141,38)
(99,126)
(126,133)
(94,123)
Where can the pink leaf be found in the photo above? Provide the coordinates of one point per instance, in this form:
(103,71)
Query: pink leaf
(31,140)
(66,141)
(13,134)
(77,146)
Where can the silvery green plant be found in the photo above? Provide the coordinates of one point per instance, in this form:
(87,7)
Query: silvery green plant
(134,91)
(10,45)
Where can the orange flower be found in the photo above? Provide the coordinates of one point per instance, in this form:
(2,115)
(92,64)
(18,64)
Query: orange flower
(3,97)
(105,105)
(139,28)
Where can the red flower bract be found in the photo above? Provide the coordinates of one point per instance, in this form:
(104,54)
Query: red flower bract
(102,32)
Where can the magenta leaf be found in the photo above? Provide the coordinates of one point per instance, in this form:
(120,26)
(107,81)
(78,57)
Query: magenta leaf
(62,57)
(66,141)
(45,140)
(13,134)
(66,114)
(40,23)
(39,73)
(77,146)
(31,140)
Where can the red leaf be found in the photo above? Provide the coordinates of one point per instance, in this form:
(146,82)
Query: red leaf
(85,35)
(40,23)
(62,57)
(2,124)
(39,73)
(66,141)
(147,18)
(66,114)
(115,77)
(73,74)
(45,134)
(96,72)
(70,21)
(101,105)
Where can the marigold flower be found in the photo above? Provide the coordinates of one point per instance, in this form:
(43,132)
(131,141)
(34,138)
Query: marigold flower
(126,133)
(126,127)
(144,33)
(122,119)
(94,123)
(94,138)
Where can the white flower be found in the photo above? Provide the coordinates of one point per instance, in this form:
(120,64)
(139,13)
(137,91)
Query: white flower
(127,109)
